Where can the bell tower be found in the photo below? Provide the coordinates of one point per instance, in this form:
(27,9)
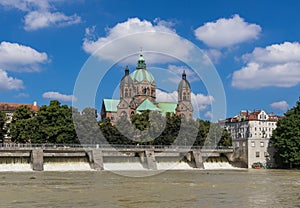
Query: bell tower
(127,92)
(184,106)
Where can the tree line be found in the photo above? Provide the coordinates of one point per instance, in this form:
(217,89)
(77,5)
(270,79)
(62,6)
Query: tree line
(286,139)
(57,123)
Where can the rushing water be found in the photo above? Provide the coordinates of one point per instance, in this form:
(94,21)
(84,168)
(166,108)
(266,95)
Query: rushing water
(186,188)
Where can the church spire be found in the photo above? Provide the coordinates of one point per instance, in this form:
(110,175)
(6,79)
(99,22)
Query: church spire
(126,71)
(184,75)
(141,61)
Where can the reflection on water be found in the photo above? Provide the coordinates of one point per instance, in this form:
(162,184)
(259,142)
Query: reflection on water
(242,188)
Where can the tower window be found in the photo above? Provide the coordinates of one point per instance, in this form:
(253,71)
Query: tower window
(144,90)
(126,92)
(130,92)
(184,96)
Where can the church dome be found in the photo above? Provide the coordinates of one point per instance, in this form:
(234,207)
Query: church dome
(141,73)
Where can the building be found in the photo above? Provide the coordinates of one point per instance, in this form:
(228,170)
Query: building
(9,109)
(138,93)
(251,133)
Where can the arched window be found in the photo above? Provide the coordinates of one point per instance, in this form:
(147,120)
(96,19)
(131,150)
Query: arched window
(144,90)
(184,96)
(126,92)
(130,92)
(148,91)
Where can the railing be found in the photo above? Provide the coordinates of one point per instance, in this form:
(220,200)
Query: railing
(107,146)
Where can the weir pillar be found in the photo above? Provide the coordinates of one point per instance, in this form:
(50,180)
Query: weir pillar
(151,162)
(96,159)
(37,159)
(198,159)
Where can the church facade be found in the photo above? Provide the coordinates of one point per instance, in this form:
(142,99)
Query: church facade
(138,94)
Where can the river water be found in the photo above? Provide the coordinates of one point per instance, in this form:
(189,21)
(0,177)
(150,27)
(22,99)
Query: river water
(175,188)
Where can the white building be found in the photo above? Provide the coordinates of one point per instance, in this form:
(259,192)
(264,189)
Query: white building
(251,133)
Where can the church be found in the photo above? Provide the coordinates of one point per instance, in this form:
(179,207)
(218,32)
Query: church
(138,94)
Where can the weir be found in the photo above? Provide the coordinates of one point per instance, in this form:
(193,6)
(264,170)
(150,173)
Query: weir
(112,158)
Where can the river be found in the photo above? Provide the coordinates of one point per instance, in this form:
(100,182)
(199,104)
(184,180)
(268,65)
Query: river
(176,188)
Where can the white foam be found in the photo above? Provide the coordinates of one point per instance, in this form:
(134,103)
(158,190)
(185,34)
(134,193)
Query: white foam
(15,167)
(217,165)
(173,166)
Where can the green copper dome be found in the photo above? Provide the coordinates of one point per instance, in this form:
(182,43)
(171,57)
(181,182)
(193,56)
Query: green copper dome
(142,74)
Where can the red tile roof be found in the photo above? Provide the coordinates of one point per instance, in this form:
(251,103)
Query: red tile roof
(14,106)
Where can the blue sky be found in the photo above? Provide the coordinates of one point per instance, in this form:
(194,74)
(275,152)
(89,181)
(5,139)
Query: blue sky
(253,45)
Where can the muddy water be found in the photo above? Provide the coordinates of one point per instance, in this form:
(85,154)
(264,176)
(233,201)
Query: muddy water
(188,188)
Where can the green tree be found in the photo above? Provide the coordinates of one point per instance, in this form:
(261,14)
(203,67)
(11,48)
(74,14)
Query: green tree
(2,124)
(55,124)
(286,139)
(22,112)
(51,124)
(22,129)
(87,127)
(226,139)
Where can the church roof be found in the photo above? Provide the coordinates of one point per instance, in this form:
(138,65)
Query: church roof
(184,83)
(111,105)
(147,105)
(141,75)
(167,107)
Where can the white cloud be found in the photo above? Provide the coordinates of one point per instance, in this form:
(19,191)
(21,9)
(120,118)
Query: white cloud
(276,65)
(16,57)
(40,14)
(227,32)
(190,74)
(200,101)
(38,19)
(213,54)
(59,96)
(9,83)
(22,95)
(152,38)
(208,114)
(162,96)
(275,54)
(280,105)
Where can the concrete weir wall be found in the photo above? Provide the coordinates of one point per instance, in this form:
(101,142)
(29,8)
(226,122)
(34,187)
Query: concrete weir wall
(37,159)
(149,157)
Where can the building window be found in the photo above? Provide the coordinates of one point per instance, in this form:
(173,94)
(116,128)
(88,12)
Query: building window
(252,143)
(237,144)
(126,92)
(257,154)
(262,144)
(184,96)
(266,154)
(244,144)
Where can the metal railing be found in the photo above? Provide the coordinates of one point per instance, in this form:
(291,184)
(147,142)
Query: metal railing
(107,146)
